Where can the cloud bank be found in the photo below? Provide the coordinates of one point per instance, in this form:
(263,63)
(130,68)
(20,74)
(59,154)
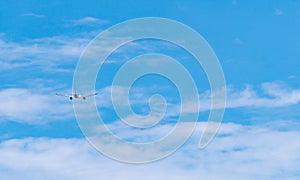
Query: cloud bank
(238,152)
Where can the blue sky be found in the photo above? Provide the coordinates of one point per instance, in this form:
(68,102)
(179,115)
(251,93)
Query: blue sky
(257,44)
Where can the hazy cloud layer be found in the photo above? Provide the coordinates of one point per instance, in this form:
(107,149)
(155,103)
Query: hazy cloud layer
(237,153)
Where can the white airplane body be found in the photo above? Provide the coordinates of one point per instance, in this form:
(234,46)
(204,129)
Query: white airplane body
(76,95)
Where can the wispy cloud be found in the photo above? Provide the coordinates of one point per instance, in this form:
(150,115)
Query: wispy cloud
(49,52)
(33,15)
(253,151)
(87,21)
(278,12)
(269,95)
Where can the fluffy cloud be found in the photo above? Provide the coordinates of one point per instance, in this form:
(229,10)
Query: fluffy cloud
(275,94)
(238,152)
(270,95)
(23,105)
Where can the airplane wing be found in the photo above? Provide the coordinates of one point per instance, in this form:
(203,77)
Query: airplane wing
(57,94)
(94,94)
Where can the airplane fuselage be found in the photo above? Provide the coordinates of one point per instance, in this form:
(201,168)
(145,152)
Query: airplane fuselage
(76,96)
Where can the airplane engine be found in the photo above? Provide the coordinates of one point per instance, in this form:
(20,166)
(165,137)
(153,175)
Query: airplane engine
(71,98)
(83,98)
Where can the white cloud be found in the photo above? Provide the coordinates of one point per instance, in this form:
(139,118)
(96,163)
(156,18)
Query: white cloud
(270,95)
(51,53)
(34,15)
(88,21)
(23,105)
(275,94)
(238,152)
(48,53)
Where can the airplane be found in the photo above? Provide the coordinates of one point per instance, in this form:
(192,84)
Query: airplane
(76,95)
